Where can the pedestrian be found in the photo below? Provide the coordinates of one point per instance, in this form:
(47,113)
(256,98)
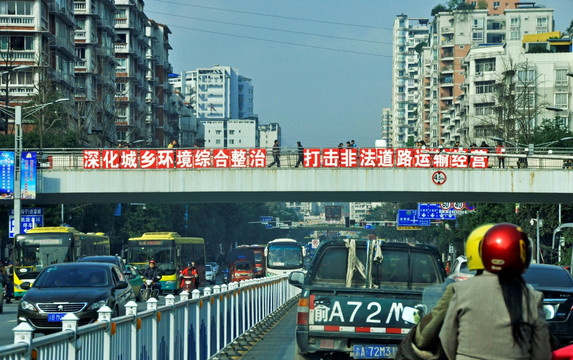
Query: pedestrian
(175,143)
(276,155)
(353,143)
(423,339)
(170,145)
(9,280)
(348,145)
(457,145)
(300,154)
(496,315)
(499,149)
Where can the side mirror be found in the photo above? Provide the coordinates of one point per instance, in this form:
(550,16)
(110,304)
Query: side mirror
(296,278)
(121,285)
(25,285)
(127,273)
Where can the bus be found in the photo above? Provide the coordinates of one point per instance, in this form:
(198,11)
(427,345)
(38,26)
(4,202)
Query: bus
(171,253)
(259,261)
(284,256)
(43,246)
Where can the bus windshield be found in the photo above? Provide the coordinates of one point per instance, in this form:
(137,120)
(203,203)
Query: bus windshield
(35,252)
(162,254)
(285,256)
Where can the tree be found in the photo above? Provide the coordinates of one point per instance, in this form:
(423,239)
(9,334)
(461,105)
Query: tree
(459,5)
(438,9)
(482,4)
(569,30)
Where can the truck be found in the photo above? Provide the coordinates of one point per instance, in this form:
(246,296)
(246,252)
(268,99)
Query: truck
(356,293)
(241,264)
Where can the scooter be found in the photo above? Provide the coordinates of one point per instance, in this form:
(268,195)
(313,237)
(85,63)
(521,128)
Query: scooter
(149,290)
(188,283)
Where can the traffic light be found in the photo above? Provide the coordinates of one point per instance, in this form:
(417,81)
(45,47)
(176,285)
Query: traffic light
(347,221)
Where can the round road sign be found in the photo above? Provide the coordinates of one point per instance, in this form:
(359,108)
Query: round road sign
(439,177)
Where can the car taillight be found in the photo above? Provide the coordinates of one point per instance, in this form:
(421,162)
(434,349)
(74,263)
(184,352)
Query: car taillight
(302,315)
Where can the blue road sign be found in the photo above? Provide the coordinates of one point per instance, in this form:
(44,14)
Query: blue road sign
(29,218)
(434,211)
(266,219)
(409,218)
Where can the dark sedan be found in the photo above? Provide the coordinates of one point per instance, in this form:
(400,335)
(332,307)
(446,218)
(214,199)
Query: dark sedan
(557,287)
(79,288)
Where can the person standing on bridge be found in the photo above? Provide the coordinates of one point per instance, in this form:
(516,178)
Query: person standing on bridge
(300,154)
(276,155)
(499,149)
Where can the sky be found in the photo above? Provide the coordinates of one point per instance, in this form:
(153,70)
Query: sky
(322,69)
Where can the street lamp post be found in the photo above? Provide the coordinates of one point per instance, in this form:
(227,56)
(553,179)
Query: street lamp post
(539,223)
(18,156)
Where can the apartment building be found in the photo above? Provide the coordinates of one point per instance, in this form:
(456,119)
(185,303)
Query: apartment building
(268,133)
(512,88)
(131,71)
(37,53)
(409,34)
(94,96)
(386,126)
(454,33)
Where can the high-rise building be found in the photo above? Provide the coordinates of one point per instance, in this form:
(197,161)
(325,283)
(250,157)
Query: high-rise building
(131,88)
(95,70)
(453,34)
(409,36)
(386,126)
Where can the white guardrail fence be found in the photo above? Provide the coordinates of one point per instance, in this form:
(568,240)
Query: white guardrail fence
(194,329)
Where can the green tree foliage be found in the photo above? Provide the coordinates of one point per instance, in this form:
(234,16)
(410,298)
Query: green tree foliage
(569,30)
(438,9)
(482,4)
(459,5)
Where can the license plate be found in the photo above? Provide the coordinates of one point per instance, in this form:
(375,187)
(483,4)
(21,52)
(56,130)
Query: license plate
(55,317)
(375,351)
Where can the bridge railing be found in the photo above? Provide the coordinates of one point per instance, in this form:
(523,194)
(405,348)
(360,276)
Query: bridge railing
(194,329)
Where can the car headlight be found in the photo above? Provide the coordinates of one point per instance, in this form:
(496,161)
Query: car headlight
(98,304)
(25,305)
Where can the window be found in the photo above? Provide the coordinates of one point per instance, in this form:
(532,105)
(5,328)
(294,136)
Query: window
(483,65)
(231,132)
(81,23)
(484,109)
(542,22)
(120,63)
(81,53)
(218,132)
(561,100)
(526,100)
(231,141)
(477,24)
(218,141)
(514,22)
(477,36)
(561,76)
(16,7)
(17,42)
(484,87)
(120,88)
(496,4)
(526,75)
(514,35)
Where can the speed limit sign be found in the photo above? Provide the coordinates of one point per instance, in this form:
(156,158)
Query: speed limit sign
(459,206)
(439,177)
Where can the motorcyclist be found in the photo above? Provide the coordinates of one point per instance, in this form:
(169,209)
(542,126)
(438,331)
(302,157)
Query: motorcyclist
(153,272)
(190,270)
(423,340)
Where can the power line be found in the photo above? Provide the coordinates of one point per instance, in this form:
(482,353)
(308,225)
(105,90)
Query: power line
(278,16)
(273,29)
(281,42)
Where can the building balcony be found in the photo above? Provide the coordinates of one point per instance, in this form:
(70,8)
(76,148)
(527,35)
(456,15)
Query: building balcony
(22,22)
(81,7)
(447,30)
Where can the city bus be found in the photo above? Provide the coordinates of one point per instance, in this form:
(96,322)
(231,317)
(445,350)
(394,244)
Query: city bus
(43,246)
(171,253)
(284,256)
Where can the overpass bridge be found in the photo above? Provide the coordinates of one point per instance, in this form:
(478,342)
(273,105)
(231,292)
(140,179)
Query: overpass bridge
(63,178)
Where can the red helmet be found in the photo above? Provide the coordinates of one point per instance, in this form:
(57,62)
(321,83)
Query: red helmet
(506,248)
(152,261)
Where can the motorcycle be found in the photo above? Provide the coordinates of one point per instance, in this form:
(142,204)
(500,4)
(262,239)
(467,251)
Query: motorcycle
(226,276)
(188,283)
(149,290)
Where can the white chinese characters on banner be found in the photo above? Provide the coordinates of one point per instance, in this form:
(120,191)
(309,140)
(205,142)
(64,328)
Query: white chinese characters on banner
(257,158)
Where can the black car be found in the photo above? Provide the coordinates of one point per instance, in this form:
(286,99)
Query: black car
(81,288)
(130,273)
(557,287)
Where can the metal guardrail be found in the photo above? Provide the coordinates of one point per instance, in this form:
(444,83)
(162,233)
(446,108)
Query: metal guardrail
(194,329)
(515,158)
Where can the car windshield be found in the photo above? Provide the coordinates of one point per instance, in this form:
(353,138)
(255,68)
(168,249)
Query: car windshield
(550,277)
(60,277)
(208,268)
(243,266)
